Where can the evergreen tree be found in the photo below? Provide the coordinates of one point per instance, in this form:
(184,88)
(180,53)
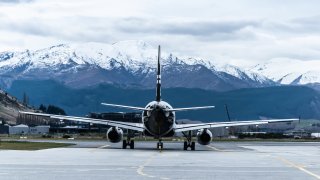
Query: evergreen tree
(55,110)
(43,108)
(24,99)
(27,100)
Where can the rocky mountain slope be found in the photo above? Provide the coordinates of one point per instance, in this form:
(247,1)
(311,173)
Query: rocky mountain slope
(9,107)
(127,63)
(290,71)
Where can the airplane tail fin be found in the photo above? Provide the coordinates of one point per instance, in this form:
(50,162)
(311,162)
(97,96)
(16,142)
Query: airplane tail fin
(158,88)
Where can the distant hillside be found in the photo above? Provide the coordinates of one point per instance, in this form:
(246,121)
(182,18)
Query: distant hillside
(127,63)
(9,107)
(132,64)
(253,103)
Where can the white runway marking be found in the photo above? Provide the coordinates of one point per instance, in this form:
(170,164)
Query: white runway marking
(214,148)
(141,167)
(101,147)
(147,162)
(300,167)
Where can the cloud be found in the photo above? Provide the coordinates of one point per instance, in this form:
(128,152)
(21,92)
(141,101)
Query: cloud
(92,29)
(215,30)
(15,1)
(296,26)
(226,31)
(178,27)
(71,29)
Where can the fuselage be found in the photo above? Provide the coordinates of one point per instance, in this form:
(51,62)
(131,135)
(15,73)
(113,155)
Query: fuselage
(158,120)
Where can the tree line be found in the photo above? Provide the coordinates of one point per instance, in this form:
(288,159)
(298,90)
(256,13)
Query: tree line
(51,109)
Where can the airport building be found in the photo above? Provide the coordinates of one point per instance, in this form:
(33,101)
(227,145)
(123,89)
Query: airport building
(23,129)
(32,120)
(39,130)
(19,129)
(134,117)
(4,129)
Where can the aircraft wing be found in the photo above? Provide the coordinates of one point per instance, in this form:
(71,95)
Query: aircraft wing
(126,125)
(189,127)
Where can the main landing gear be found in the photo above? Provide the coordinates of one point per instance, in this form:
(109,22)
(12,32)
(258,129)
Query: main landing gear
(189,142)
(128,142)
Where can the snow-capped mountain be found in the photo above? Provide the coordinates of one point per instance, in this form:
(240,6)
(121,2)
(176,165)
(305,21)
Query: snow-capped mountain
(290,71)
(126,63)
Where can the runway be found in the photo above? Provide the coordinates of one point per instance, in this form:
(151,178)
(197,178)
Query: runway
(220,160)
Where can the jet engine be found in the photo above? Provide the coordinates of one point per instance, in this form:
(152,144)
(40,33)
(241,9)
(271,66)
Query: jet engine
(114,134)
(204,136)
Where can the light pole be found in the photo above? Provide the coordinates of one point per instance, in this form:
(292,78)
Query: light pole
(227,128)
(257,130)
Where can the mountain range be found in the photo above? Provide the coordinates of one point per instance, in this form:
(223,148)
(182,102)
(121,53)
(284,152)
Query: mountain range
(290,71)
(132,64)
(71,75)
(128,64)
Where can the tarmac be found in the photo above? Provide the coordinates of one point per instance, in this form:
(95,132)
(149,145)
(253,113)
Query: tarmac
(100,160)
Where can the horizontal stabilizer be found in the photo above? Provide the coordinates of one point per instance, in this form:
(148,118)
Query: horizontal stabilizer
(126,107)
(191,108)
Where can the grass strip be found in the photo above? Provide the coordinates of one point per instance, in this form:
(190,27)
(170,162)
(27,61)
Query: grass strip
(23,145)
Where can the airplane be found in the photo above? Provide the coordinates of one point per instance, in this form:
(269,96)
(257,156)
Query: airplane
(158,121)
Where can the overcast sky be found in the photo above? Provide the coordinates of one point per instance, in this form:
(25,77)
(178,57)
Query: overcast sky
(235,31)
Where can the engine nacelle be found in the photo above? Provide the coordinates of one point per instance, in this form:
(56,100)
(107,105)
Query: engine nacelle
(204,136)
(114,134)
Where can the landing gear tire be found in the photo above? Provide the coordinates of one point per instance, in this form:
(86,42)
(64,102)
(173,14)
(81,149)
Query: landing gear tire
(193,146)
(124,144)
(131,144)
(185,146)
